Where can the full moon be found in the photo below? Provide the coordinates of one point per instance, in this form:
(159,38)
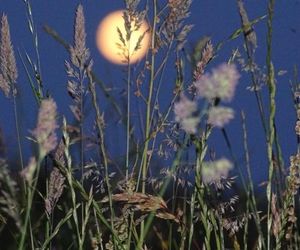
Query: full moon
(109,43)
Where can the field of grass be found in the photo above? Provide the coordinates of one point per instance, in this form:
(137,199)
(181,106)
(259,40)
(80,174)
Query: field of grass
(168,188)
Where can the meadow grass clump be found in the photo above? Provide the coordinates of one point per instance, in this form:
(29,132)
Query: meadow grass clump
(170,188)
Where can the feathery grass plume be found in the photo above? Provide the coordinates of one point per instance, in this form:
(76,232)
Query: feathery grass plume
(284,227)
(79,66)
(44,133)
(293,185)
(221,83)
(9,206)
(4,85)
(206,56)
(178,11)
(28,172)
(133,20)
(59,156)
(8,67)
(55,187)
(220,116)
(184,114)
(214,171)
(276,225)
(79,53)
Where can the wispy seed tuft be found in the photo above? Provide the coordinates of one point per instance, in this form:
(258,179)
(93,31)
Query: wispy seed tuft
(220,116)
(46,125)
(79,53)
(8,68)
(56,187)
(221,83)
(184,114)
(214,171)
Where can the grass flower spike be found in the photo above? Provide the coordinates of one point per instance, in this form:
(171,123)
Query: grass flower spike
(56,187)
(44,133)
(79,53)
(8,68)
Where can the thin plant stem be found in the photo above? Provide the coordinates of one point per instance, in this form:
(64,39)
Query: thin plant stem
(102,149)
(148,112)
(149,100)
(31,188)
(128,113)
(272,103)
(250,190)
(18,131)
(69,179)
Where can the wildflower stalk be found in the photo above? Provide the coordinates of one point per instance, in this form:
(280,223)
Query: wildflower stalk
(272,103)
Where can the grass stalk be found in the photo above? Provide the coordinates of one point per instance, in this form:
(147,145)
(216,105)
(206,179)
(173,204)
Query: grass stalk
(31,188)
(69,175)
(128,114)
(99,124)
(251,201)
(144,165)
(272,107)
(149,100)
(18,131)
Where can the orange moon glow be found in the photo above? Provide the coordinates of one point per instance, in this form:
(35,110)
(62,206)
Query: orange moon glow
(107,39)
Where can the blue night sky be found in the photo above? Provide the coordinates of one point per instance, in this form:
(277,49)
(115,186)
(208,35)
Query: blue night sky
(214,18)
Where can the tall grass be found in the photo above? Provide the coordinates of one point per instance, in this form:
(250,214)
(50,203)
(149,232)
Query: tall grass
(169,189)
